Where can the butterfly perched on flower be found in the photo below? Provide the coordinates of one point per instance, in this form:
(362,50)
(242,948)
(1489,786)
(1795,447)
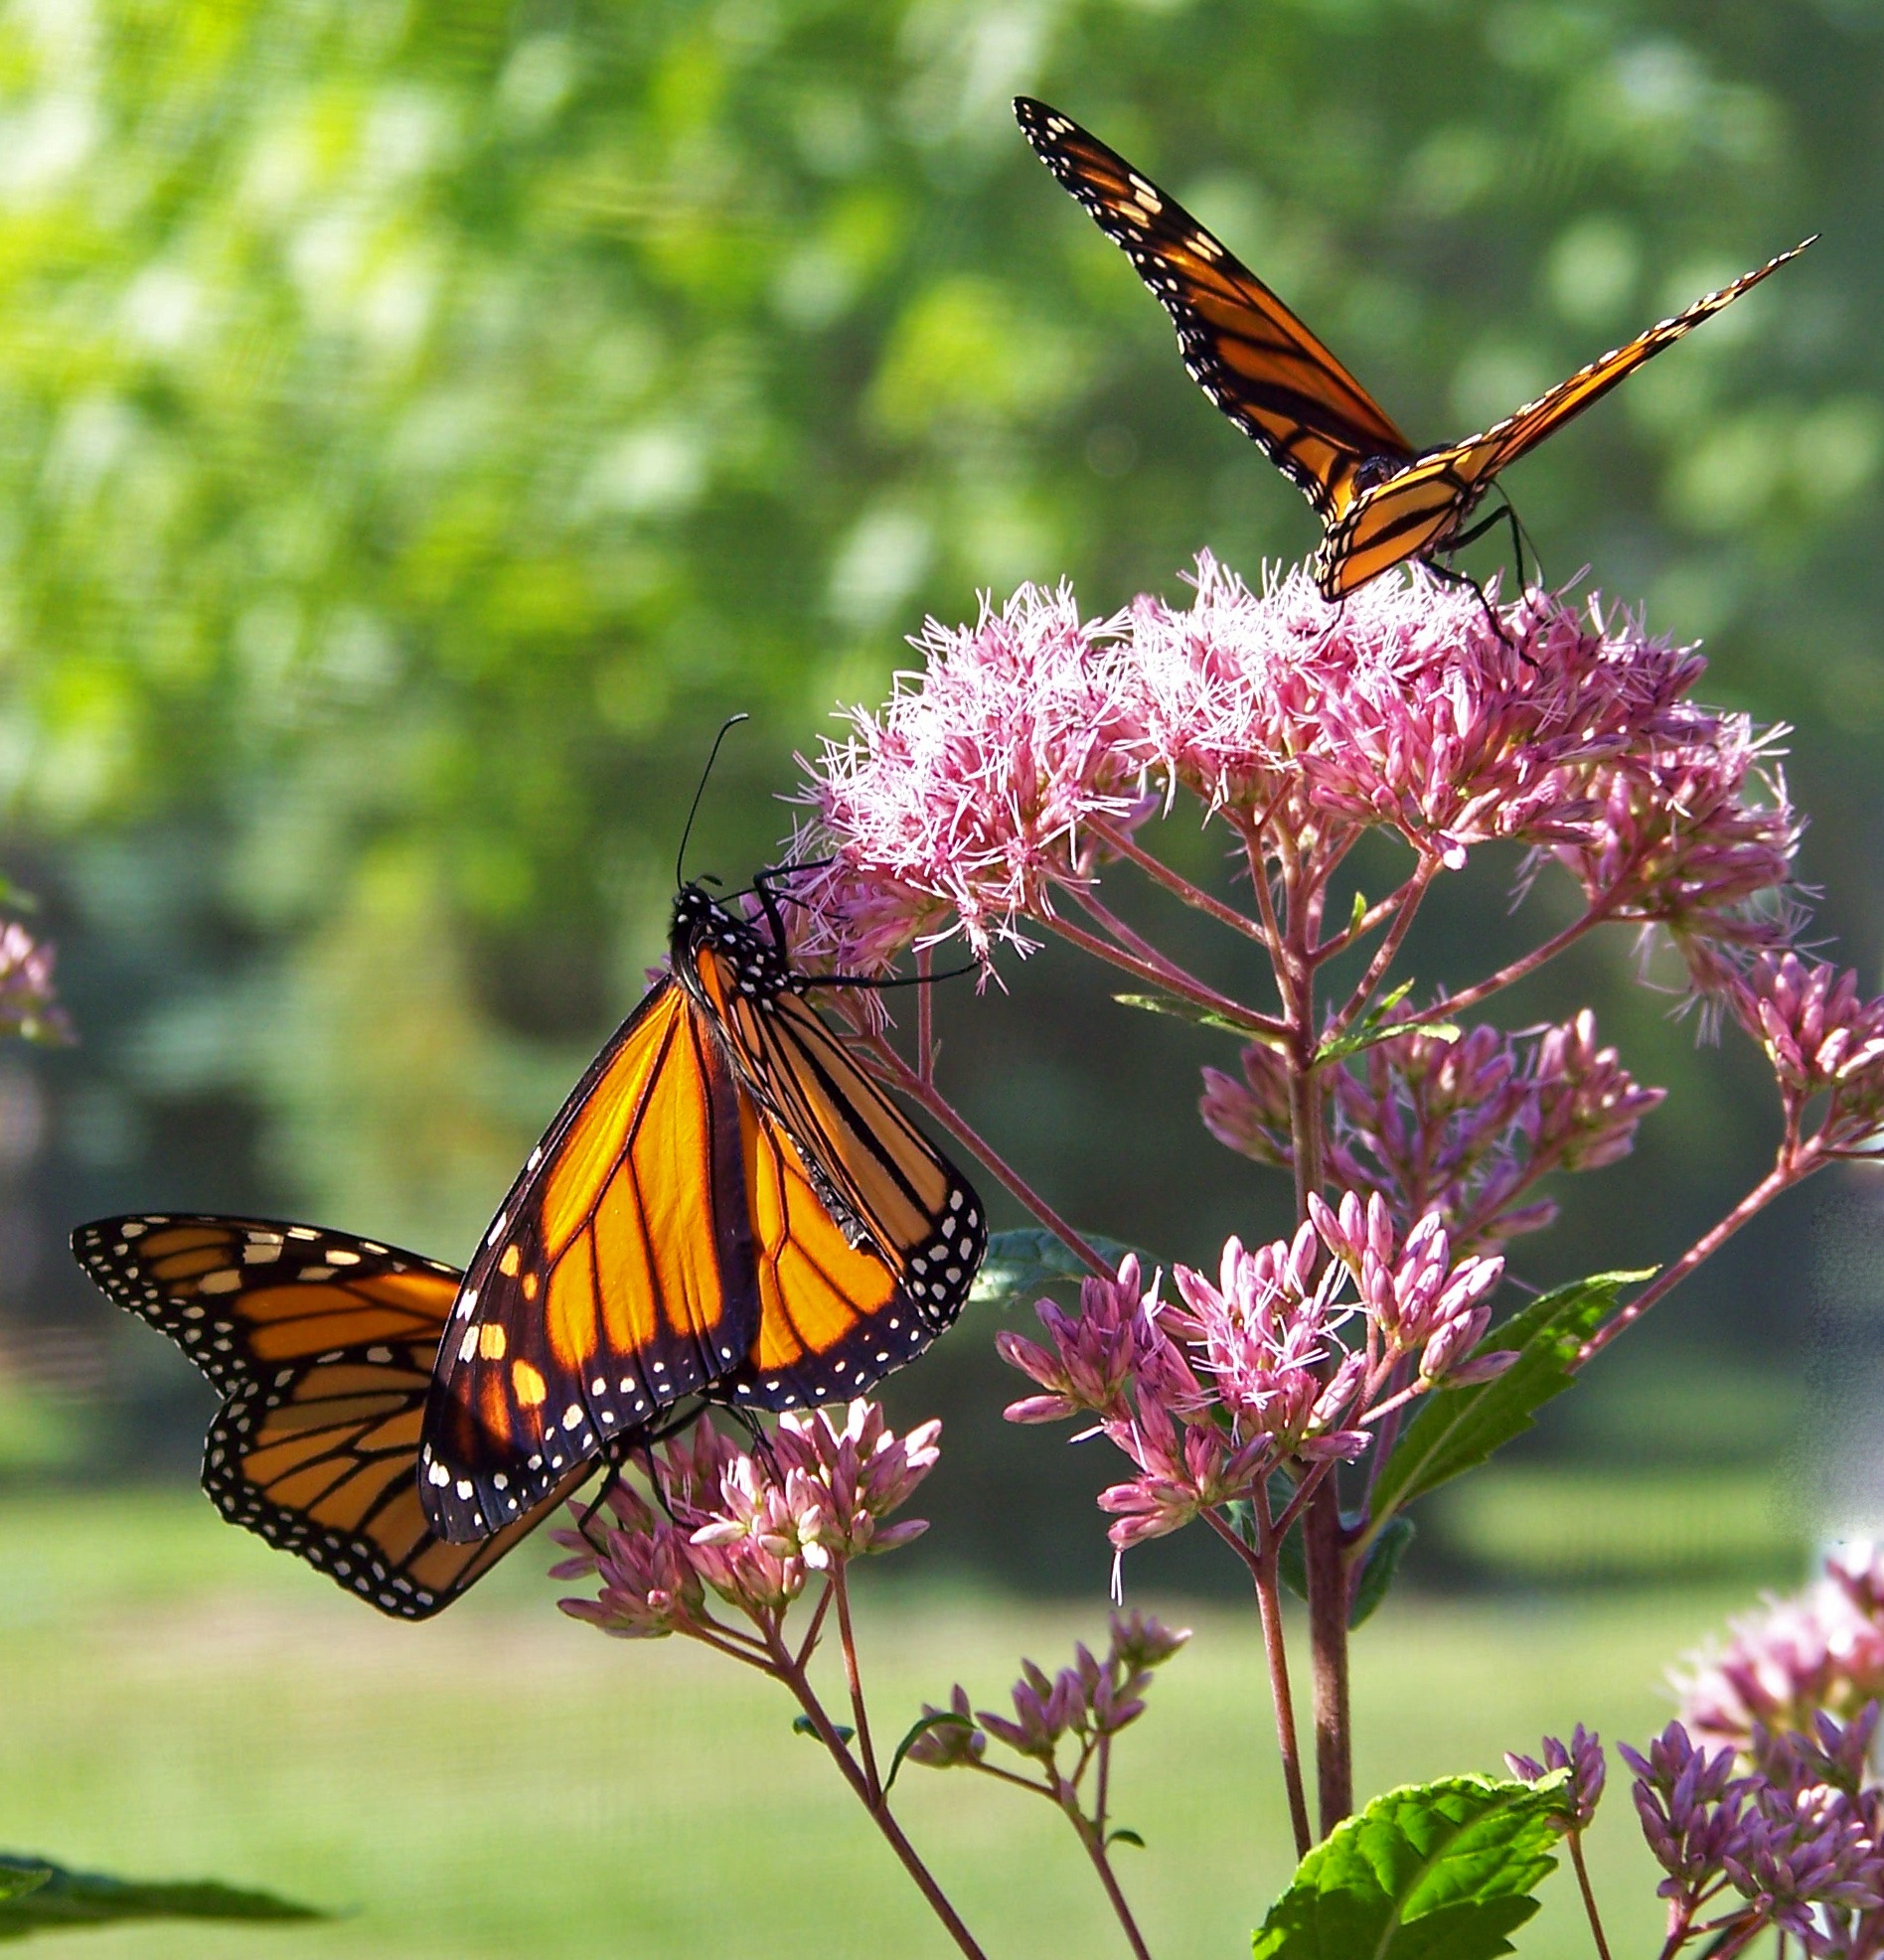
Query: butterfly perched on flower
(321,1346)
(1381,501)
(726,1205)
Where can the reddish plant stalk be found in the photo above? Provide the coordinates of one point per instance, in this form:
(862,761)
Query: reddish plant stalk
(787,1670)
(904,1077)
(1262,1571)
(1787,1171)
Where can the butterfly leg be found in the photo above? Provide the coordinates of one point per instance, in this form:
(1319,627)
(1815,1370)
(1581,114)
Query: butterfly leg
(1448,575)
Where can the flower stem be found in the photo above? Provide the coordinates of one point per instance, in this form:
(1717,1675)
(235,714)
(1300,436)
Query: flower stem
(1094,1841)
(1322,1533)
(793,1676)
(1385,952)
(1454,1004)
(1589,1896)
(1788,1170)
(1161,874)
(1172,980)
(854,1679)
(913,1085)
(1262,1571)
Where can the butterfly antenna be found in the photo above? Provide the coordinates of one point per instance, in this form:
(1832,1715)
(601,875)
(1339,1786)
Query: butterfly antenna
(726,728)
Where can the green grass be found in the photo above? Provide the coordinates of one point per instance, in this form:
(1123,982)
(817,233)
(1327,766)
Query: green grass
(181,1702)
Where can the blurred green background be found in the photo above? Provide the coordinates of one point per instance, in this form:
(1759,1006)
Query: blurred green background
(420,425)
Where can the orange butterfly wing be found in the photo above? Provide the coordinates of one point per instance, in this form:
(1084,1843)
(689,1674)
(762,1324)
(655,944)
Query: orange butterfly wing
(322,1347)
(1243,346)
(1418,508)
(724,1206)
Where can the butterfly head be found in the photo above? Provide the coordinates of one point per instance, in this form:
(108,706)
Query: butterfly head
(756,963)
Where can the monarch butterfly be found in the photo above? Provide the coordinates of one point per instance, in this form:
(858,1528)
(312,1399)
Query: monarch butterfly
(726,1204)
(1381,501)
(322,1347)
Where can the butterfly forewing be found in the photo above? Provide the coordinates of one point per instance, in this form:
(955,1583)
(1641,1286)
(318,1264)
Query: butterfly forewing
(1243,346)
(322,1346)
(616,1280)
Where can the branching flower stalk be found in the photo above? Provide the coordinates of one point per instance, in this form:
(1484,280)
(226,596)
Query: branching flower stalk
(1004,790)
(755,1530)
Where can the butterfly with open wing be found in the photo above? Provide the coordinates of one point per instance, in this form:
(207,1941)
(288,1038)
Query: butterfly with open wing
(1381,501)
(728,1205)
(322,1346)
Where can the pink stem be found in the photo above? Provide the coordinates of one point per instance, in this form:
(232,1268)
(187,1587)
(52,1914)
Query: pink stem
(1174,981)
(1369,921)
(1262,1571)
(796,1680)
(854,1680)
(1385,954)
(1787,1172)
(1589,1895)
(913,1085)
(1162,873)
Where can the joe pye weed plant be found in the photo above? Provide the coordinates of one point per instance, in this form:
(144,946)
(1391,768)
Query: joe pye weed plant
(1297,1399)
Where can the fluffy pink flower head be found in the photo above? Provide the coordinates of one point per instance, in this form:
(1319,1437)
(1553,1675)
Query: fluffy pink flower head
(1582,1756)
(973,790)
(1263,1336)
(1463,1127)
(1095,1352)
(973,796)
(1399,709)
(1820,1034)
(1818,1652)
(852,1472)
(1694,832)
(1417,1299)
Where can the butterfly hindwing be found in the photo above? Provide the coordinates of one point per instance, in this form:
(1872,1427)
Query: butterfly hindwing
(322,1346)
(1418,508)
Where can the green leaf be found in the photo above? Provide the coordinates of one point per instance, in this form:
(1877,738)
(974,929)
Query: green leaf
(52,1898)
(1189,1010)
(1379,1563)
(946,1718)
(1024,1261)
(1123,1838)
(1434,1872)
(1458,1428)
(1359,912)
(1373,1026)
(802,1725)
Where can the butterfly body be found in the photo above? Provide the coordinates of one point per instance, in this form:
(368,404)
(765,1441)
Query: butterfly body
(726,1205)
(1381,501)
(321,1346)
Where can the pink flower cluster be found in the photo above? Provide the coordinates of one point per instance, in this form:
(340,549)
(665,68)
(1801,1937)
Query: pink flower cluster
(1796,1844)
(1255,1371)
(1818,1652)
(1582,1757)
(1091,1701)
(975,793)
(748,1526)
(1460,1127)
(1821,1036)
(29,1005)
